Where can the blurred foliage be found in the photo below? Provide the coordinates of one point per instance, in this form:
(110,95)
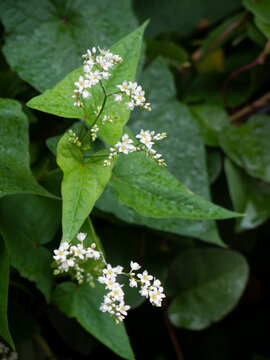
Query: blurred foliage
(205,68)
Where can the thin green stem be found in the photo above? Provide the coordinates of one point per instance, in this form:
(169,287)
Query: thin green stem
(114,93)
(47,350)
(88,135)
(90,156)
(82,127)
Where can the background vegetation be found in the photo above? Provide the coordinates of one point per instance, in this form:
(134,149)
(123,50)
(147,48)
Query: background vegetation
(205,69)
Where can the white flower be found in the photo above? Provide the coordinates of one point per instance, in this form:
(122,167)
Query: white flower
(105,308)
(133,283)
(122,147)
(134,266)
(64,246)
(147,106)
(96,255)
(126,139)
(117,292)
(60,254)
(118,98)
(156,297)
(139,96)
(132,86)
(105,75)
(78,251)
(87,67)
(81,236)
(67,264)
(93,77)
(82,84)
(124,88)
(156,283)
(145,278)
(104,62)
(109,282)
(86,94)
(122,308)
(144,291)
(78,103)
(109,272)
(145,138)
(130,105)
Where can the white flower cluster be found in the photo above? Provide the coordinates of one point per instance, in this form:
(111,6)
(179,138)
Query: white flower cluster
(114,302)
(94,131)
(126,146)
(71,257)
(135,93)
(103,63)
(6,353)
(152,291)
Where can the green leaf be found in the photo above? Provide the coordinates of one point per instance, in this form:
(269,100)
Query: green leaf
(182,16)
(255,34)
(82,185)
(153,191)
(263,26)
(45,45)
(211,120)
(249,196)
(214,165)
(15,173)
(92,236)
(248,145)
(183,146)
(4,279)
(205,284)
(174,53)
(260,8)
(58,101)
(27,222)
(205,88)
(83,304)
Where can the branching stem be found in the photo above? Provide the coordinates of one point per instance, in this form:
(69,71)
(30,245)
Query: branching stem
(88,134)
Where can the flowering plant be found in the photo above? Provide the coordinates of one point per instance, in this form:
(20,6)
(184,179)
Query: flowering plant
(103,167)
(71,258)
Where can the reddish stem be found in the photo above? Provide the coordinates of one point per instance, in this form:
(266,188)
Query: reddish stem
(176,345)
(258,61)
(222,36)
(214,43)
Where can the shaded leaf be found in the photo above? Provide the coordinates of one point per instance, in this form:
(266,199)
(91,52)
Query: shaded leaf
(45,45)
(211,119)
(15,173)
(249,196)
(263,26)
(83,304)
(183,16)
(260,8)
(173,52)
(248,145)
(214,165)
(4,280)
(205,285)
(27,222)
